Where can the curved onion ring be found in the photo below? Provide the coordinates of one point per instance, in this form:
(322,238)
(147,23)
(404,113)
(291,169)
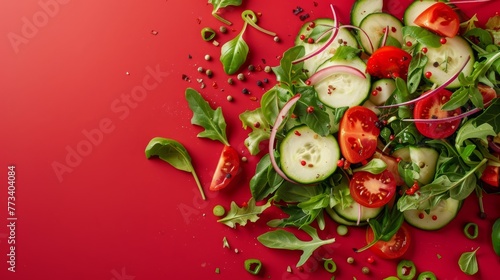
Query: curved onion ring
(439,88)
(279,120)
(322,48)
(330,70)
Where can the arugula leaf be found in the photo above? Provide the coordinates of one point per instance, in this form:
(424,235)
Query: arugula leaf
(471,131)
(296,218)
(415,71)
(385,227)
(203,115)
(490,116)
(272,101)
(346,53)
(260,129)
(282,239)
(175,154)
(265,181)
(317,119)
(422,36)
(293,193)
(468,262)
(241,216)
(234,53)
(374,166)
(287,72)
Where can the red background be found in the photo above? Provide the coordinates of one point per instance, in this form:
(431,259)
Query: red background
(75,119)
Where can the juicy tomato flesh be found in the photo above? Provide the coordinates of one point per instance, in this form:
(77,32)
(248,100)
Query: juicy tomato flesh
(227,169)
(358,134)
(440,19)
(487,92)
(430,108)
(389,62)
(392,166)
(372,190)
(395,248)
(491,175)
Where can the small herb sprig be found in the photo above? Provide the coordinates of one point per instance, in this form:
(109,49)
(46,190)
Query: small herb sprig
(218,4)
(235,51)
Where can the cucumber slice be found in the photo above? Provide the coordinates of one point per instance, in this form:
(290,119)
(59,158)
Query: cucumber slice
(362,8)
(414,10)
(424,157)
(446,60)
(374,25)
(351,213)
(436,218)
(341,90)
(307,157)
(321,27)
(384,89)
(341,220)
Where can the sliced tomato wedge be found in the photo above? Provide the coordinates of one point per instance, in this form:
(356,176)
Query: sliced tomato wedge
(491,175)
(358,134)
(487,92)
(392,166)
(392,249)
(389,62)
(372,190)
(430,108)
(440,19)
(227,169)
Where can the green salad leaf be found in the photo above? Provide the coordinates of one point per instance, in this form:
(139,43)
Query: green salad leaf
(242,215)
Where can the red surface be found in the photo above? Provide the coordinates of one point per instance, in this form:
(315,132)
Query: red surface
(89,205)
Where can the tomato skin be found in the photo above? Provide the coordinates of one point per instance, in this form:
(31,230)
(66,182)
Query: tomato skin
(392,166)
(372,190)
(487,92)
(227,169)
(392,249)
(358,134)
(430,108)
(491,175)
(440,19)
(389,62)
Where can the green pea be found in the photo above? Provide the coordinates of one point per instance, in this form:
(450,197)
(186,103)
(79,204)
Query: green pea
(342,230)
(219,210)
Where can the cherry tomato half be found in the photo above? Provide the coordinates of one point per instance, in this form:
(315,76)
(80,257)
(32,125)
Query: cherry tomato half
(440,19)
(358,134)
(430,108)
(227,169)
(372,190)
(389,62)
(392,165)
(392,249)
(487,92)
(491,175)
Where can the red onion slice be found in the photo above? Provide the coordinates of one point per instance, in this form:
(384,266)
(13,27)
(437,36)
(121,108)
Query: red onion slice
(330,70)
(322,48)
(439,88)
(364,33)
(448,119)
(272,138)
(386,35)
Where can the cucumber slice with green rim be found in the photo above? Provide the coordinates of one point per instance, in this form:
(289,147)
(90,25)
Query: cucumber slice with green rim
(362,8)
(351,213)
(374,25)
(384,89)
(435,218)
(320,33)
(342,89)
(307,157)
(414,10)
(341,220)
(424,157)
(446,60)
